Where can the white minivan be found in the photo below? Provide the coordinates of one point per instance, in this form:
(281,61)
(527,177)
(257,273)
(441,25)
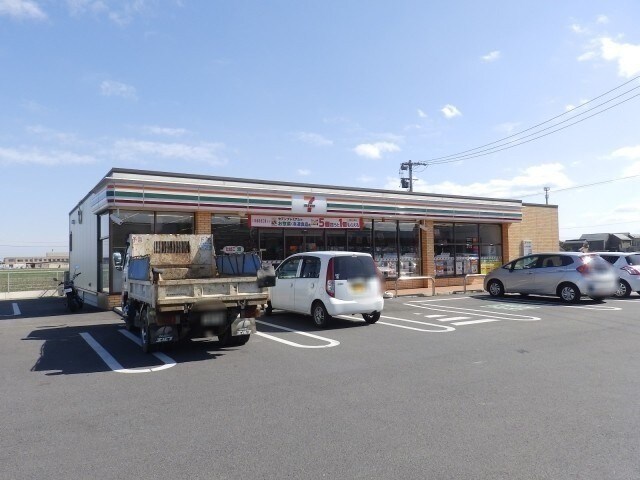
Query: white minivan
(326,284)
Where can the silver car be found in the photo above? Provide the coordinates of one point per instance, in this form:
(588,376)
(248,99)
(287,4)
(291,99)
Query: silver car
(568,275)
(627,265)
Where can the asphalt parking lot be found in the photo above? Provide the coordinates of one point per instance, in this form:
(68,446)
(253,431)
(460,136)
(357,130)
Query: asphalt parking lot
(450,387)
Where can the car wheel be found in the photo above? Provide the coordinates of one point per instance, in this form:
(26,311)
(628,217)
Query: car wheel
(145,334)
(371,317)
(568,293)
(269,310)
(495,288)
(624,289)
(320,315)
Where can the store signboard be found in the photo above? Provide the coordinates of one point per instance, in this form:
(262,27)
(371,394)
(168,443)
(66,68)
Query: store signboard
(308,204)
(272,221)
(527,247)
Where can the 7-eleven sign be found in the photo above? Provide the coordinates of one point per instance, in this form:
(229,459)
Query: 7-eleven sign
(308,204)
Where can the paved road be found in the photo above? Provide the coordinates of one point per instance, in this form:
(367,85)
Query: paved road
(454,387)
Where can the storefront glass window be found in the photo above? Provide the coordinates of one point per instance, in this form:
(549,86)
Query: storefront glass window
(360,240)
(490,247)
(467,248)
(386,247)
(233,231)
(103,267)
(272,246)
(176,222)
(409,235)
(336,240)
(302,240)
(443,233)
(132,222)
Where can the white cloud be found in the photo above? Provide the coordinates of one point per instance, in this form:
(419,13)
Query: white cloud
(421,114)
(530,180)
(587,56)
(450,111)
(304,172)
(629,153)
(626,55)
(122,14)
(164,131)
(602,19)
(491,56)
(22,10)
(375,150)
(110,88)
(507,127)
(35,156)
(314,139)
(576,28)
(128,149)
(50,134)
(366,179)
(570,106)
(33,106)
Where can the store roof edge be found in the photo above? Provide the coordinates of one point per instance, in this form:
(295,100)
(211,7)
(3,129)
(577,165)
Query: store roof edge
(281,183)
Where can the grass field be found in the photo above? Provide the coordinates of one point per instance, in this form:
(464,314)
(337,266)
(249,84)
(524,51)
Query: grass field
(27,280)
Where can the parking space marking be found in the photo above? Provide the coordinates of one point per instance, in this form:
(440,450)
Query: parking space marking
(440,328)
(431,316)
(449,319)
(472,312)
(330,342)
(532,303)
(473,322)
(16,311)
(114,365)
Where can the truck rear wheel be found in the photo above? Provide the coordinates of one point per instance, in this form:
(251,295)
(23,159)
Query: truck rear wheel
(145,337)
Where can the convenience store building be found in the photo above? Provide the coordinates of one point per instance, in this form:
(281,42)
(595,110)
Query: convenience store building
(408,234)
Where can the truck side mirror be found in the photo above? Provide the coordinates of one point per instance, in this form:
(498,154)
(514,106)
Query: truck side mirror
(117,260)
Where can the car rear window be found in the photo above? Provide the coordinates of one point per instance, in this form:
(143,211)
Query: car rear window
(633,259)
(346,268)
(597,263)
(610,258)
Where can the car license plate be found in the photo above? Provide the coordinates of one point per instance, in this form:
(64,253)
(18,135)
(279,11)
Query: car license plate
(357,287)
(243,331)
(68,290)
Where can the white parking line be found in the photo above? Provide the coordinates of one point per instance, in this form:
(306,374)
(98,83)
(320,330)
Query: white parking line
(114,365)
(16,311)
(330,342)
(441,328)
(473,312)
(482,320)
(432,316)
(451,319)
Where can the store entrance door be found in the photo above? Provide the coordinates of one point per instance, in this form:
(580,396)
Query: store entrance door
(298,241)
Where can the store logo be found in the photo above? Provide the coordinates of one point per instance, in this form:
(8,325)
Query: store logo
(308,203)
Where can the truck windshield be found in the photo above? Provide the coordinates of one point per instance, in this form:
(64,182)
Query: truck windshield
(354,267)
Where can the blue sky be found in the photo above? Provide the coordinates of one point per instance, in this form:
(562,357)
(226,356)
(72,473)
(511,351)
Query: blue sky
(329,92)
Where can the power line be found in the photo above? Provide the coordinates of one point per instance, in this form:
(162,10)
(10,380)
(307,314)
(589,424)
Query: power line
(598,225)
(532,139)
(435,160)
(583,186)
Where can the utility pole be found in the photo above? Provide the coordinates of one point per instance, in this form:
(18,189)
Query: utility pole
(546,195)
(404,166)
